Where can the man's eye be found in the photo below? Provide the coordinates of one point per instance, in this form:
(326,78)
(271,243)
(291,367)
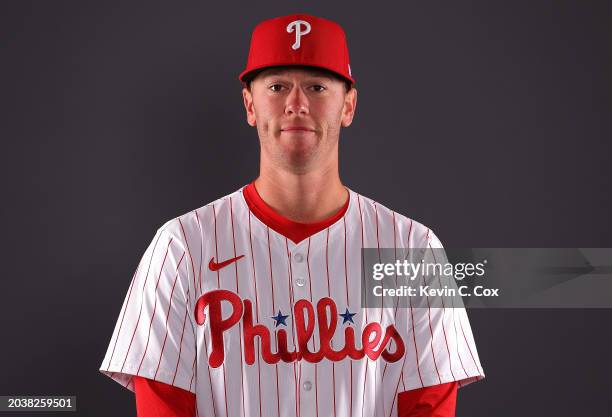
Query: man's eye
(318,88)
(276,87)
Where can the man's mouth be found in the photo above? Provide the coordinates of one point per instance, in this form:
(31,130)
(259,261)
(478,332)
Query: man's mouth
(296,129)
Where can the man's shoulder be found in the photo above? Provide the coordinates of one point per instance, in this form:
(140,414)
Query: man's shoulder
(383,215)
(201,219)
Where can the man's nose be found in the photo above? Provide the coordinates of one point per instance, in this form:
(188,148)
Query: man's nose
(297,102)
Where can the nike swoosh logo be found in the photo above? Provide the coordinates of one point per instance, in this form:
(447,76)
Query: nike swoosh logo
(214,266)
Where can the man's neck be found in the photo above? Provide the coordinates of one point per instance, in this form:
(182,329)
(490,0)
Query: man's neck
(304,198)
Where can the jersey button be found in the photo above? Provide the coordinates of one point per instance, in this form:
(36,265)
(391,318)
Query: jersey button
(300,281)
(298,257)
(307,385)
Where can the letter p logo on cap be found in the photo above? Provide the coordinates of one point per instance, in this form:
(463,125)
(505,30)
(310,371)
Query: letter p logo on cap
(296,25)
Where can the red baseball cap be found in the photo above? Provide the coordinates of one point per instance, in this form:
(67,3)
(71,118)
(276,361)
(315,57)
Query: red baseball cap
(299,40)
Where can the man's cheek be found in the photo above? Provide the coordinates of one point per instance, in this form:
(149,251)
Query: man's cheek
(265,129)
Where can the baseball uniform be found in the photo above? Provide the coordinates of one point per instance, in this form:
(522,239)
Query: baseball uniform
(226,305)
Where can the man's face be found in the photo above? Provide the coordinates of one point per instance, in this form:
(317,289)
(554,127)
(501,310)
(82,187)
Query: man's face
(298,113)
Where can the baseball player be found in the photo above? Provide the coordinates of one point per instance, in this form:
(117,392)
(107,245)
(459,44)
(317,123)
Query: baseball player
(250,306)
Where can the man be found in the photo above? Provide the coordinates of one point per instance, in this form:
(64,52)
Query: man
(251,305)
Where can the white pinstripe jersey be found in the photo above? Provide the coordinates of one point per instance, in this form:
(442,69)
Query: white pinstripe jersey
(207,331)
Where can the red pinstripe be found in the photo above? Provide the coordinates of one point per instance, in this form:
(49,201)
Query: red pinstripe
(362,243)
(259,378)
(468,346)
(433,355)
(238,292)
(379,260)
(189,252)
(396,388)
(219,285)
(365,379)
(299,382)
(196,409)
(381,309)
(234,244)
(273,312)
(395,315)
(329,295)
(314,346)
(457,338)
(348,305)
(345,265)
(193,367)
(201,250)
(271,276)
(412,322)
(161,354)
(309,280)
(409,234)
(212,394)
(431,343)
(416,349)
(180,349)
(293,331)
(277,393)
(395,311)
(216,246)
(254,270)
(256,309)
(395,249)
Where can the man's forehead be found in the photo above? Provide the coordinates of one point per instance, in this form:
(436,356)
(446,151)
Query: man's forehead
(285,71)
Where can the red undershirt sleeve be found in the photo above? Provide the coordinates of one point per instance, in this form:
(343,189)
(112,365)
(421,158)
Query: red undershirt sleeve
(433,401)
(156,399)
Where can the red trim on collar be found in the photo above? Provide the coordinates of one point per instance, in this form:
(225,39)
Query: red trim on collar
(293,230)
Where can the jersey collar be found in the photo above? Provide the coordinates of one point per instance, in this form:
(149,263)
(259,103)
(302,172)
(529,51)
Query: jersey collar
(291,229)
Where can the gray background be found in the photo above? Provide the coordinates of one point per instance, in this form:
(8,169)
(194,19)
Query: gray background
(487,121)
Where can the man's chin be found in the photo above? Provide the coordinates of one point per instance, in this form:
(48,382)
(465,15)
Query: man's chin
(299,146)
(299,159)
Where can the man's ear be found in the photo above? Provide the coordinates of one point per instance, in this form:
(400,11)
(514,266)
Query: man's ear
(247,98)
(350,104)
